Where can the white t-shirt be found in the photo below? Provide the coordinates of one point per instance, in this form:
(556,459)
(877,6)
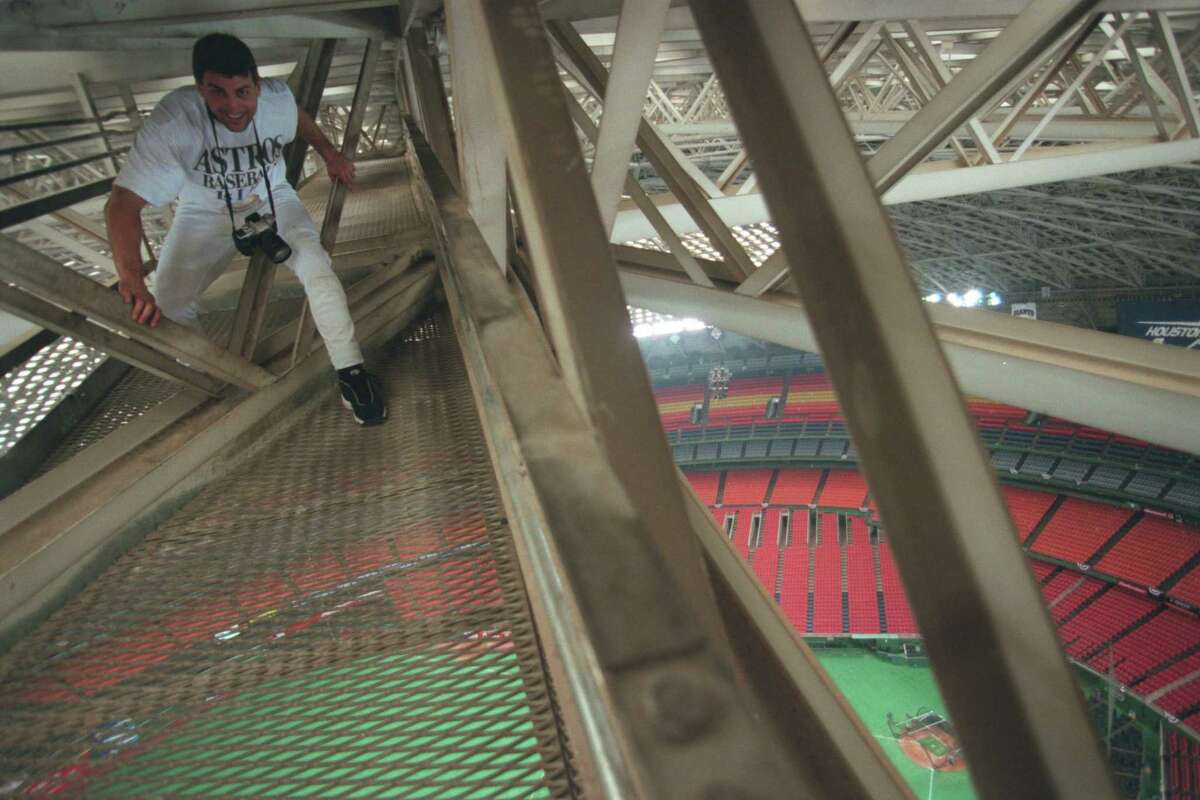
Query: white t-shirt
(174,154)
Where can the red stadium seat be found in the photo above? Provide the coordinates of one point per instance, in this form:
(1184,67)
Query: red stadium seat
(897,611)
(1078,529)
(1151,551)
(1108,614)
(795,487)
(1159,639)
(1026,507)
(1188,587)
(746,487)
(861,580)
(705,484)
(844,488)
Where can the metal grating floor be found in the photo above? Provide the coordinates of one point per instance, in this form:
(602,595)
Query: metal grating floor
(341,617)
(379,204)
(139,391)
(31,390)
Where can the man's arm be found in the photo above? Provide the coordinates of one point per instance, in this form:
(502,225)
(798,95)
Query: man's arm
(339,167)
(123,218)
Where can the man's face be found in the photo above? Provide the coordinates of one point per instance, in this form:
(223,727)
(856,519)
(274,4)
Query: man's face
(232,100)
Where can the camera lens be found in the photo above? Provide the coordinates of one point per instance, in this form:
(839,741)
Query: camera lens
(275,247)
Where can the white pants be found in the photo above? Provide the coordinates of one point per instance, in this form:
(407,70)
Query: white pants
(199,246)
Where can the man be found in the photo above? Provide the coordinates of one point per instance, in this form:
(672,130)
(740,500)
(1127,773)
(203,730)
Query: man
(218,148)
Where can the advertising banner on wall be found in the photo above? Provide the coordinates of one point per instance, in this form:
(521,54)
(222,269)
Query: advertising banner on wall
(1024,310)
(1173,323)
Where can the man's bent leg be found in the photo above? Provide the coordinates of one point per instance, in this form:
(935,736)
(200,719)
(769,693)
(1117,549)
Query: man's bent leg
(196,251)
(361,391)
(312,265)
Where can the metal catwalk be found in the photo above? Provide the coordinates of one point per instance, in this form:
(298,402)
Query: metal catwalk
(341,616)
(380,222)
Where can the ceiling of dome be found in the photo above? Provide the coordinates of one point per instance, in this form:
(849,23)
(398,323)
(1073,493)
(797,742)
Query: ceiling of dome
(1089,109)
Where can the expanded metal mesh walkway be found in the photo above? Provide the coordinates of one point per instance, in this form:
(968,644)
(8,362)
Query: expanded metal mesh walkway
(340,617)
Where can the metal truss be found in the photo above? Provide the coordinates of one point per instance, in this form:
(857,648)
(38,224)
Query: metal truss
(1112,81)
(678,675)
(1098,87)
(1128,232)
(943,110)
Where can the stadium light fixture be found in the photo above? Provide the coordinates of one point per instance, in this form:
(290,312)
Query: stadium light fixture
(666,327)
(955,299)
(994,299)
(935,297)
(972,298)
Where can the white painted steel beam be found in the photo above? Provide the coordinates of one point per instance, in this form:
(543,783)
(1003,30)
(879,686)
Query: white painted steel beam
(1143,72)
(480,140)
(935,183)
(836,39)
(65,323)
(643,202)
(1177,71)
(42,276)
(1034,87)
(856,56)
(1025,38)
(679,174)
(1066,96)
(108,15)
(838,11)
(730,173)
(770,274)
(429,99)
(920,39)
(885,124)
(505,353)
(638,32)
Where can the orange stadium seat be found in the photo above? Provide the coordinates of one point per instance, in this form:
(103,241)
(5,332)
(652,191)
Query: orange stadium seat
(1026,507)
(705,484)
(861,580)
(844,488)
(795,487)
(1108,614)
(1161,638)
(745,487)
(1079,528)
(1188,588)
(1151,551)
(897,612)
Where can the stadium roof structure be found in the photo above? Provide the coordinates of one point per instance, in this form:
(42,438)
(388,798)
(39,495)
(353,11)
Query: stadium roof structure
(800,172)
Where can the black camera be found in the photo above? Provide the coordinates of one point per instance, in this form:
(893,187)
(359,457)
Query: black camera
(258,232)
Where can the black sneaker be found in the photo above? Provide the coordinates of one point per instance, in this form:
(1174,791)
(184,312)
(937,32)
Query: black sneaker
(363,395)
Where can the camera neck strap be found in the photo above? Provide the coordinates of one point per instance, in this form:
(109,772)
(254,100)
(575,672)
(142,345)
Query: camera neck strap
(261,162)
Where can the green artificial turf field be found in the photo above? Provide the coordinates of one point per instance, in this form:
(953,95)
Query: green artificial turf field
(874,688)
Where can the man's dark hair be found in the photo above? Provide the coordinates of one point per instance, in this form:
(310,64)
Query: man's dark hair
(223,54)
